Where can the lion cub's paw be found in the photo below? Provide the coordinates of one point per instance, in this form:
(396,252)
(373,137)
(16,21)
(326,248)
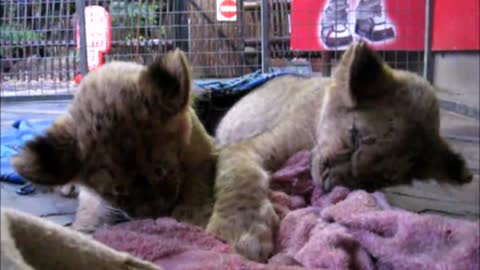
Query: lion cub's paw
(68,190)
(257,243)
(84,226)
(328,169)
(250,231)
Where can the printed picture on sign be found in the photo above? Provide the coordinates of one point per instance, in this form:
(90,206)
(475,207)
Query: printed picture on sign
(337,28)
(335,24)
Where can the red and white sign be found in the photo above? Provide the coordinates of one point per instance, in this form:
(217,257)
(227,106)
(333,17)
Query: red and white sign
(319,25)
(226,10)
(98,28)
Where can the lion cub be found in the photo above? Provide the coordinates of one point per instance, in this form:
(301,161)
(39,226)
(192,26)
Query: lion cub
(132,142)
(369,126)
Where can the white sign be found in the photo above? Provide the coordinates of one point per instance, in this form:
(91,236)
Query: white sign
(97,27)
(226,10)
(98,35)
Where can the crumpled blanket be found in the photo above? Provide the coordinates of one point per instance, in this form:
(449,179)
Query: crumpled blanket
(342,229)
(175,245)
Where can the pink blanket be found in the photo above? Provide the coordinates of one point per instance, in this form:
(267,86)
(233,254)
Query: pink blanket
(340,230)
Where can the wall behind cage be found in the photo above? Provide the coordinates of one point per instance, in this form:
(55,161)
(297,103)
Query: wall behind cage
(37,52)
(39,55)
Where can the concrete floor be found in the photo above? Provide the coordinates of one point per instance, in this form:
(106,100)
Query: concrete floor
(61,210)
(46,204)
(432,197)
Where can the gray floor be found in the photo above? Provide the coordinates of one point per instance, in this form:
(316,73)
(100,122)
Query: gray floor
(61,210)
(46,204)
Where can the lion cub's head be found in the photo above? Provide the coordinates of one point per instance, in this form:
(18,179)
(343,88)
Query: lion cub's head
(122,137)
(380,126)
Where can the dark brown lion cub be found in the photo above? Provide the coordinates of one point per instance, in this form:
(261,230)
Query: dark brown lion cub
(132,142)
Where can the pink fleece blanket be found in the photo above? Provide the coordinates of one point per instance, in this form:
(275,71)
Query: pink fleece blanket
(342,229)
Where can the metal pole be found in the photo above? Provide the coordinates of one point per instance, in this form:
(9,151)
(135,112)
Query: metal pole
(265,36)
(240,35)
(427,56)
(80,7)
(181,25)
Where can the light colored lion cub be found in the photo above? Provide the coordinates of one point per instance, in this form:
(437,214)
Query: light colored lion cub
(369,126)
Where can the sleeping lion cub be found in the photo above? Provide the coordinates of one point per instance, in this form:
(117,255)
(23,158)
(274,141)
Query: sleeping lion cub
(369,126)
(135,145)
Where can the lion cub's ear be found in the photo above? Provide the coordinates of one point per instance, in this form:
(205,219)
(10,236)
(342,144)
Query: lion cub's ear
(168,78)
(50,159)
(362,75)
(440,162)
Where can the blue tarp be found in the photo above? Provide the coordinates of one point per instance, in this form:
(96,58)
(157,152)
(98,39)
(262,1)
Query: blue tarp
(12,140)
(243,83)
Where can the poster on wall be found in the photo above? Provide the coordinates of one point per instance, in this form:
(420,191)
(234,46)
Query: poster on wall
(334,24)
(384,24)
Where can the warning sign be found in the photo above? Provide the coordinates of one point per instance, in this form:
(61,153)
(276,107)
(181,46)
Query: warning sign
(226,10)
(98,32)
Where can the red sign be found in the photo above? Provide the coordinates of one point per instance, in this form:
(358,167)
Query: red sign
(98,33)
(385,24)
(456,25)
(226,10)
(334,24)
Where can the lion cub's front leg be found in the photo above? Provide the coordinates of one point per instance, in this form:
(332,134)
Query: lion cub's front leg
(88,216)
(93,211)
(243,215)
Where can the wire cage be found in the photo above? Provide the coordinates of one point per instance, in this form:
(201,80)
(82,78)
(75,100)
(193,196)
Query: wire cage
(39,54)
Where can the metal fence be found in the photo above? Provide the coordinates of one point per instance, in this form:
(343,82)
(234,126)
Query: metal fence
(39,55)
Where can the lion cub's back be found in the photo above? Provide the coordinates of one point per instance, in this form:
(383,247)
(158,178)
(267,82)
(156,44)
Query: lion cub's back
(278,100)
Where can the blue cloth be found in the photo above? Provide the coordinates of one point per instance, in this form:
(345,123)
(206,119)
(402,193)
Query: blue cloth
(243,83)
(12,140)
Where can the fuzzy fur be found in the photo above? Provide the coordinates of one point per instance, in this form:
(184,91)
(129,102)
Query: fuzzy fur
(369,126)
(132,142)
